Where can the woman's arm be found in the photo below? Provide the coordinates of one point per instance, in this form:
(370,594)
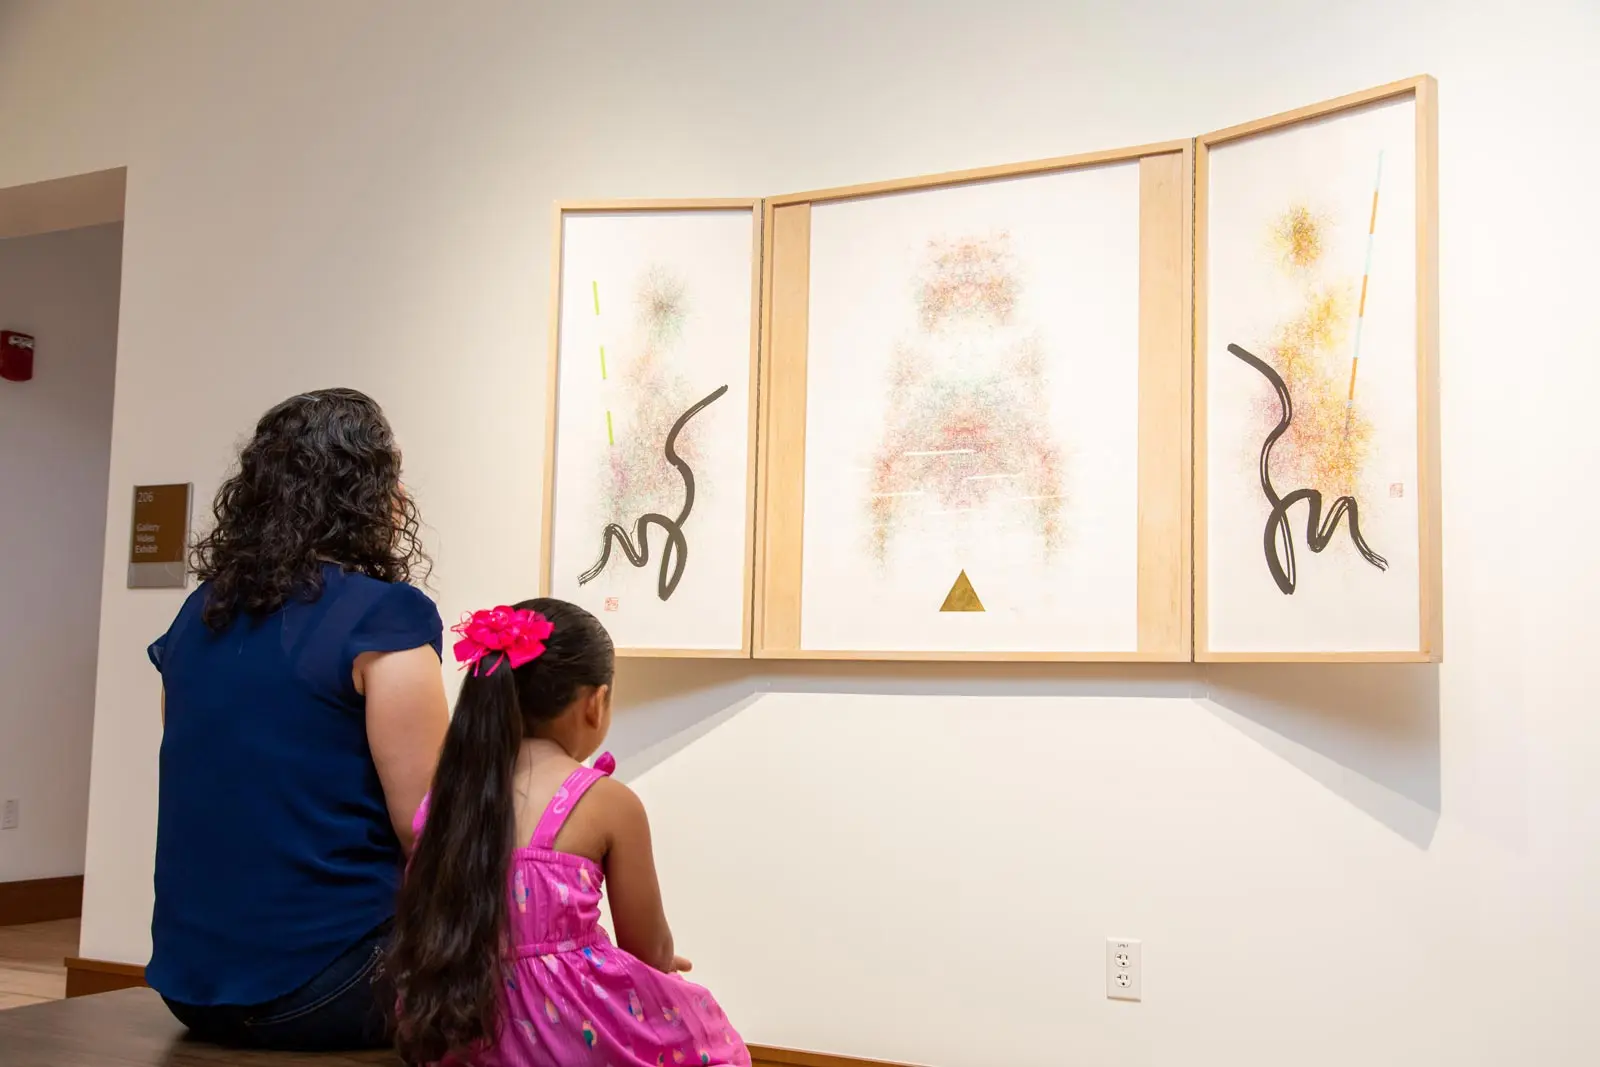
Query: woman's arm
(636,909)
(407,716)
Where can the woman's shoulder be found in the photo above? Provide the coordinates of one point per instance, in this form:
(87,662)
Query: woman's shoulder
(384,616)
(341,582)
(188,617)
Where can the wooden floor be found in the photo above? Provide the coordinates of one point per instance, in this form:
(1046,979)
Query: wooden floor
(31,967)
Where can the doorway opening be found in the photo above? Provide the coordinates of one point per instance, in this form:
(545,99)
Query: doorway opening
(60,291)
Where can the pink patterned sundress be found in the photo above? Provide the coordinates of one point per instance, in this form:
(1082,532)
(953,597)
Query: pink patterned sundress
(572,999)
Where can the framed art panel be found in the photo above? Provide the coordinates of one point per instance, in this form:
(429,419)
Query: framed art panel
(650,431)
(976,415)
(1317,489)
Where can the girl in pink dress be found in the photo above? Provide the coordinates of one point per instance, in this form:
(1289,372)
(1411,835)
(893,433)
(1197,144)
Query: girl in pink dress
(499,958)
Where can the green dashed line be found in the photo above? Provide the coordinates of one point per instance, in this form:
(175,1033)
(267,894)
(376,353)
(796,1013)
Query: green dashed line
(602,363)
(611,438)
(596,286)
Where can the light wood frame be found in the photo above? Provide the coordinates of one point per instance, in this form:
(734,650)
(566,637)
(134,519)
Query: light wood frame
(1430,639)
(561,210)
(1165,562)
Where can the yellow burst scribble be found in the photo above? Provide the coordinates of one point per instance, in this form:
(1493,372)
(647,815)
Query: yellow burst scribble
(1298,344)
(1328,442)
(1297,235)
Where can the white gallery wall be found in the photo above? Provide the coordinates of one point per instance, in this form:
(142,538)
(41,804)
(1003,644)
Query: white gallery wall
(1327,866)
(55,448)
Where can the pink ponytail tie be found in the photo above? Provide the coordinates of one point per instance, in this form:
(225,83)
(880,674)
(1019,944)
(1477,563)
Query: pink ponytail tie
(517,634)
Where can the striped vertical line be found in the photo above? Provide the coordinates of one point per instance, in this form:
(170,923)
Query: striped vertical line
(1361,308)
(594,287)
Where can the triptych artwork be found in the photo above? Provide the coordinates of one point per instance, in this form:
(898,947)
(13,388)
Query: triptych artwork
(1157,404)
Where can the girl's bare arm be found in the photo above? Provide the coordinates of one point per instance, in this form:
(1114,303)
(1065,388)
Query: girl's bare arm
(635,892)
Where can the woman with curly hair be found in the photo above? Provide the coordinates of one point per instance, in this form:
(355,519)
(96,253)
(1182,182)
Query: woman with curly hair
(304,711)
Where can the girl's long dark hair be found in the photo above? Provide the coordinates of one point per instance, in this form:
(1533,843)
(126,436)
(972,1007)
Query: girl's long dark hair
(448,957)
(318,482)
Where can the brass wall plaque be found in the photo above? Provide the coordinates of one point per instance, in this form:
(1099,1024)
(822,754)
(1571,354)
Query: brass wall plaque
(159,546)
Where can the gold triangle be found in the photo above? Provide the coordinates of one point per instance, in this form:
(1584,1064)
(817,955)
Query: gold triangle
(962,597)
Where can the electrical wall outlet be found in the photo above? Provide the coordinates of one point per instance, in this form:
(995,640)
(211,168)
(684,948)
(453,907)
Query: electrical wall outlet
(12,817)
(1124,969)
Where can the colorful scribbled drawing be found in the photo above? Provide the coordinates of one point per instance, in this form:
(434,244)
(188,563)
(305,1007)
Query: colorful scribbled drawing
(1311,430)
(967,432)
(597,961)
(550,1011)
(648,467)
(526,1026)
(1297,237)
(635,1008)
(662,304)
(1327,444)
(589,1036)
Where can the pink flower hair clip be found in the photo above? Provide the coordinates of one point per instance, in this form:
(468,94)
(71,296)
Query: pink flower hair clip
(518,635)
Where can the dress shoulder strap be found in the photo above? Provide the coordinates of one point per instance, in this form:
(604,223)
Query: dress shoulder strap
(420,819)
(560,807)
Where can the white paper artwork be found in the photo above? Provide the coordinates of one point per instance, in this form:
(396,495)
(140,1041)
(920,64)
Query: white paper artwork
(652,507)
(1311,506)
(972,418)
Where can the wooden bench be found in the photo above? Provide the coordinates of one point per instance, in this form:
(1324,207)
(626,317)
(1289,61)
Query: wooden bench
(132,1028)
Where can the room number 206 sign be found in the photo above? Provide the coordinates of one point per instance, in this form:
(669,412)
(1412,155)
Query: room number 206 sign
(159,541)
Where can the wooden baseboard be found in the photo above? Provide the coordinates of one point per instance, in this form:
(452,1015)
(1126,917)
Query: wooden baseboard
(41,900)
(85,978)
(761,1056)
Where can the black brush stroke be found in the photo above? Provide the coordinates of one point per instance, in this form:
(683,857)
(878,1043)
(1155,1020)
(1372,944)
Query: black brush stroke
(1278,533)
(676,550)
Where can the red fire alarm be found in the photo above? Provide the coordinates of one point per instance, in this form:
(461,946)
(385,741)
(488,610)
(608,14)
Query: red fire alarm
(16,356)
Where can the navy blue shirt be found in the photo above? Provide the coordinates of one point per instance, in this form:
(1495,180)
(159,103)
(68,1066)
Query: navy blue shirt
(274,849)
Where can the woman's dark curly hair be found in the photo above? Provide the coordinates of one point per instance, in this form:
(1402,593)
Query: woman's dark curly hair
(318,483)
